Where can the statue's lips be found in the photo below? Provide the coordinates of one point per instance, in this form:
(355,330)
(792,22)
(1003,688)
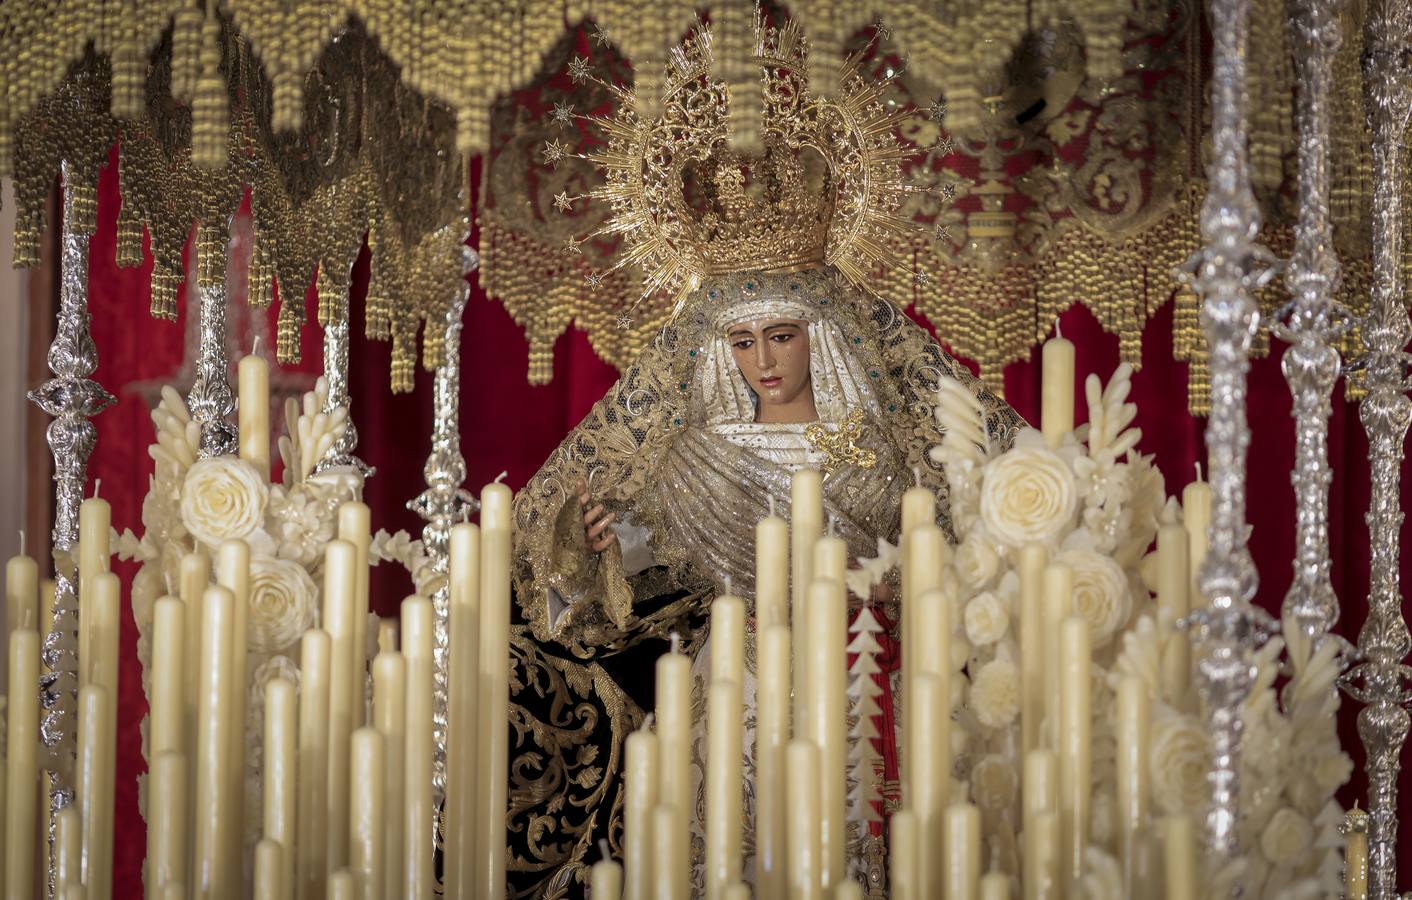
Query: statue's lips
(771,382)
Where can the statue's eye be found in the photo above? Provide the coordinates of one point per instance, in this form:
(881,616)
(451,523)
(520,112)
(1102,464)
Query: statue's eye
(743,344)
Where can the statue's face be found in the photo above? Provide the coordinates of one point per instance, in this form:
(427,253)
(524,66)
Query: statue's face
(773,355)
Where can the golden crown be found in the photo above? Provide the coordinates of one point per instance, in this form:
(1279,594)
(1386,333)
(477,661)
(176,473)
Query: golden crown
(825,188)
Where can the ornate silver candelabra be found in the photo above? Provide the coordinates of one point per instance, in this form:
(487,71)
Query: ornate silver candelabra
(211,400)
(443,504)
(71,397)
(1225,273)
(336,374)
(1380,681)
(1313,321)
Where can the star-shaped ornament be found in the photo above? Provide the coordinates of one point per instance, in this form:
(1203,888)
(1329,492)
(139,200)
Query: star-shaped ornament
(562,201)
(601,36)
(948,192)
(554,151)
(572,244)
(624,322)
(563,113)
(921,277)
(941,232)
(936,110)
(593,280)
(944,146)
(884,32)
(579,69)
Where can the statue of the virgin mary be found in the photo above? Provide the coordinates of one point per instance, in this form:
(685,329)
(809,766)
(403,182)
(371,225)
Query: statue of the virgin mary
(775,360)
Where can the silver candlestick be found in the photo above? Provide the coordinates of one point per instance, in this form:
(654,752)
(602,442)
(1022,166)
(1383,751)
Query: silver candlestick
(1311,364)
(1225,273)
(1380,681)
(443,504)
(71,397)
(336,374)
(211,400)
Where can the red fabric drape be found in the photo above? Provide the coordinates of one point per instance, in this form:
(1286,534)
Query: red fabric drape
(509,425)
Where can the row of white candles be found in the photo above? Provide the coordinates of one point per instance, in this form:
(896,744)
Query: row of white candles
(801,743)
(347,790)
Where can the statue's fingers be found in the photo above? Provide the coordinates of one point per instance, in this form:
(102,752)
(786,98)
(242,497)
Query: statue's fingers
(592,514)
(605,543)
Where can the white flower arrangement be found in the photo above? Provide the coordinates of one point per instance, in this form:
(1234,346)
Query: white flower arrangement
(1095,503)
(194,504)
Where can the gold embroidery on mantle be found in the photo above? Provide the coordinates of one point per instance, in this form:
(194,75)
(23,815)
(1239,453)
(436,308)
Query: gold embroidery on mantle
(841,448)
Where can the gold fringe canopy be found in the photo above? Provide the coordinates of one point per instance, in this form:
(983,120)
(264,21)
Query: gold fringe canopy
(371,157)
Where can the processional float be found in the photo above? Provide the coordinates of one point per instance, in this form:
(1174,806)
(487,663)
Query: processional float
(428,254)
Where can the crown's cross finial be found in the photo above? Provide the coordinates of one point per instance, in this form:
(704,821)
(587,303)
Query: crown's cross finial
(840,448)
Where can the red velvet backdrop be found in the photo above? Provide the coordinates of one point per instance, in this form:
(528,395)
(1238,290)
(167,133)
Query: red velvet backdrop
(508,425)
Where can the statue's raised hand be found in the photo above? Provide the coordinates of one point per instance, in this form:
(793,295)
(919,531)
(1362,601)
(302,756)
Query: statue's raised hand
(596,531)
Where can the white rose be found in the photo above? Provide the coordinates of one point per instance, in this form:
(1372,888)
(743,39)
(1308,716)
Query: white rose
(1332,769)
(1101,593)
(1286,837)
(283,601)
(223,498)
(1029,497)
(986,619)
(1177,764)
(994,783)
(995,693)
(976,561)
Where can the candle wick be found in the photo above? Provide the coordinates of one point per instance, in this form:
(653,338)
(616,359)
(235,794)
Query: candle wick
(97,485)
(728,585)
(22,542)
(1198,470)
(833,526)
(647,722)
(255,348)
(603,849)
(676,642)
(1058,332)
(917,475)
(772,506)
(501,477)
(29,623)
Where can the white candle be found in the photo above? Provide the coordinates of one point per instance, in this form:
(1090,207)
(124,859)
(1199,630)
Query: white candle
(254,412)
(806,524)
(269,869)
(640,799)
(1042,858)
(605,879)
(1355,856)
(1033,559)
(847,890)
(280,785)
(167,726)
(390,719)
(166,811)
(926,555)
(493,740)
(95,518)
(1180,858)
(342,885)
(1058,604)
(418,811)
(918,506)
(963,851)
(1075,747)
(366,795)
(670,870)
(802,824)
(340,604)
(233,573)
(1196,518)
(1173,602)
(104,603)
(95,788)
(195,576)
(315,650)
(995,886)
(1057,390)
(464,668)
(21,593)
(674,788)
(68,847)
(1133,747)
(771,571)
(214,802)
(771,738)
(828,672)
(1040,788)
(21,776)
(354,526)
(902,856)
(725,778)
(728,639)
(929,744)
